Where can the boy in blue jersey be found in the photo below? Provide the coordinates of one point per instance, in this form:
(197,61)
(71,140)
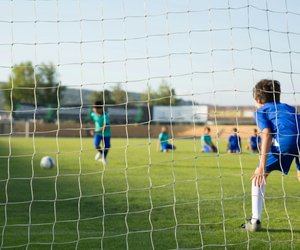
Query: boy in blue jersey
(206,142)
(279,126)
(234,142)
(254,142)
(163,138)
(102,131)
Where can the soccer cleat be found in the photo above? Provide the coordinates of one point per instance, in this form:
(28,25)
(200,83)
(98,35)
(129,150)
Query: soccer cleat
(252,227)
(98,156)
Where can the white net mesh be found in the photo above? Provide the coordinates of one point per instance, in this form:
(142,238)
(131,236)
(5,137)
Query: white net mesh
(191,57)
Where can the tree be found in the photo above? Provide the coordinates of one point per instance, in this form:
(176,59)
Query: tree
(98,96)
(118,94)
(165,95)
(149,95)
(20,86)
(32,85)
(48,89)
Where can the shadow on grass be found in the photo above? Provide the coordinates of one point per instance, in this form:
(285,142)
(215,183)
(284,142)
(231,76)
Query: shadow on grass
(279,230)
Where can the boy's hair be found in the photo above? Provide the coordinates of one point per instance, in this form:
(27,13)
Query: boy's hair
(235,130)
(98,105)
(267,91)
(207,128)
(255,130)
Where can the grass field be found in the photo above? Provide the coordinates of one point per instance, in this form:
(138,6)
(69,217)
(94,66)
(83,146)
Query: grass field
(142,200)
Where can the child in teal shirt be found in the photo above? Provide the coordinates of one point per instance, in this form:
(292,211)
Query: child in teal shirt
(102,131)
(163,137)
(206,142)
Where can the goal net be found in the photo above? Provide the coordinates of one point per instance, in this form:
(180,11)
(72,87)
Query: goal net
(159,67)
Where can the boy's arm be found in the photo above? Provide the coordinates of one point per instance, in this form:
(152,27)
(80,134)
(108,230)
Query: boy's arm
(204,141)
(92,130)
(102,126)
(209,144)
(259,176)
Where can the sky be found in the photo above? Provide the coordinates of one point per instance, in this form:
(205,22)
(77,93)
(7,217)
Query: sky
(208,51)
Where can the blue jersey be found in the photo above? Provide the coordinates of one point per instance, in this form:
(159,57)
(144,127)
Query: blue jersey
(255,141)
(234,141)
(283,122)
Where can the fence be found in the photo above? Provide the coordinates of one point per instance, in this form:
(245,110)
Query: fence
(74,129)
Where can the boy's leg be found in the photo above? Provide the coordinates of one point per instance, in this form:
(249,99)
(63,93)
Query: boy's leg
(99,149)
(257,197)
(205,149)
(231,149)
(170,146)
(97,141)
(214,148)
(106,146)
(105,152)
(274,162)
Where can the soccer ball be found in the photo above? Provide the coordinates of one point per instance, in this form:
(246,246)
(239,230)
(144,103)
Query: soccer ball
(47,162)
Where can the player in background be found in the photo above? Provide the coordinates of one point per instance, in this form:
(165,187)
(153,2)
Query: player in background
(254,142)
(207,145)
(102,132)
(234,142)
(163,141)
(279,126)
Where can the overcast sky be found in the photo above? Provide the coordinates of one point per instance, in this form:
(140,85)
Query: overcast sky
(212,51)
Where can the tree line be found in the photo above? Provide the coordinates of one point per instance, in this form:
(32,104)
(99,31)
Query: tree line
(40,85)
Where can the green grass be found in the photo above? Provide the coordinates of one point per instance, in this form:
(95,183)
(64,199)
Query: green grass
(143,198)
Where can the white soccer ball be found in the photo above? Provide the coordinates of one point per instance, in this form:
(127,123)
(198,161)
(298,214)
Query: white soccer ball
(47,162)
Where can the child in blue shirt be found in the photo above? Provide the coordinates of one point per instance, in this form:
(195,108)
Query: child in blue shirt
(163,141)
(206,142)
(234,142)
(254,142)
(279,125)
(102,132)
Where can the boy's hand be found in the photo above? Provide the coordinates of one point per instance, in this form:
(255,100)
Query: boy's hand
(92,132)
(259,177)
